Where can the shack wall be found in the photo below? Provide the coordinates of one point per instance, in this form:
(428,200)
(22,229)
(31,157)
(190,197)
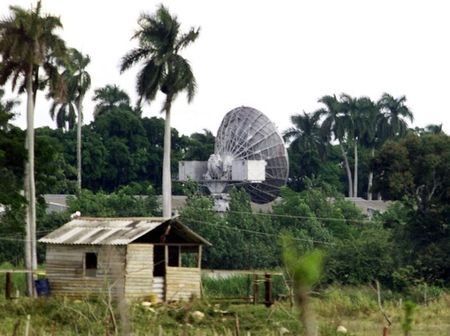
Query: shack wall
(182,283)
(66,274)
(139,270)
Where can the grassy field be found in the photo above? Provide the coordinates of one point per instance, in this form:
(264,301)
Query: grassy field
(354,308)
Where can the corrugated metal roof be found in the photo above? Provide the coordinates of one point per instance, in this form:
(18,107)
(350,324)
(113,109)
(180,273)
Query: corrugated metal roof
(102,231)
(112,231)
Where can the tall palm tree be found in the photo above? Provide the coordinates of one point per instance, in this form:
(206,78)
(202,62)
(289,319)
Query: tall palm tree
(372,136)
(27,43)
(395,116)
(82,83)
(108,98)
(160,43)
(335,127)
(70,107)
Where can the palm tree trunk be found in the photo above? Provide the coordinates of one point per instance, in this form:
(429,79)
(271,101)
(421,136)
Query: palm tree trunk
(355,172)
(347,168)
(167,180)
(30,239)
(369,184)
(79,124)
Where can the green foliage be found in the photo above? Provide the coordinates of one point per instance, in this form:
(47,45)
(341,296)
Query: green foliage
(123,203)
(240,286)
(306,268)
(416,170)
(407,323)
(365,255)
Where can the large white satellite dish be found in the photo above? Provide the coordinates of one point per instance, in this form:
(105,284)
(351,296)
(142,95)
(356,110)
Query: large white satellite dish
(248,152)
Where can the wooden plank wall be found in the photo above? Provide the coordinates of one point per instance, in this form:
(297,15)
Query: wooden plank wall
(139,270)
(65,270)
(182,283)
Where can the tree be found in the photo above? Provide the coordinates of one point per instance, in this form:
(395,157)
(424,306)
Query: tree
(160,43)
(108,98)
(81,83)
(416,170)
(12,157)
(395,116)
(307,148)
(28,42)
(335,125)
(362,113)
(6,110)
(200,146)
(306,133)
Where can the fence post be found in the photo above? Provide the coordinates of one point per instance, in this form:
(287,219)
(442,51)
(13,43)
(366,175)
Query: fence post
(255,289)
(8,286)
(268,290)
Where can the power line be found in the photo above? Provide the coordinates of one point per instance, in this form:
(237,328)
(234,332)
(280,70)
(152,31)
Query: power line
(296,217)
(261,233)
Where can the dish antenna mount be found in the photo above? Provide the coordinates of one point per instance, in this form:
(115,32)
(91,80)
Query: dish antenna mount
(249,152)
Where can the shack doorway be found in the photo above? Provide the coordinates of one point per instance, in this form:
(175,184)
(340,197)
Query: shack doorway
(159,261)
(159,271)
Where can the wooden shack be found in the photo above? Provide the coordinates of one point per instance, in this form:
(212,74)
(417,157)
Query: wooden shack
(128,257)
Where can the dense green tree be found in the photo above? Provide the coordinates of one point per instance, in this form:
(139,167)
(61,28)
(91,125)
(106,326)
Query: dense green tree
(12,157)
(160,43)
(28,43)
(416,170)
(200,146)
(125,202)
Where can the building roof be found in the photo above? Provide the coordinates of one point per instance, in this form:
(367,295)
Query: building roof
(367,207)
(113,231)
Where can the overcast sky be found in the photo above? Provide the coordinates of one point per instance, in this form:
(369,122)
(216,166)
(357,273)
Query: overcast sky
(276,56)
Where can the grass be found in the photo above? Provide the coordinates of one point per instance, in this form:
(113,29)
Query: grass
(353,307)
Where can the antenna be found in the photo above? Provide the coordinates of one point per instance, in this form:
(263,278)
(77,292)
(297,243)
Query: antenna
(249,152)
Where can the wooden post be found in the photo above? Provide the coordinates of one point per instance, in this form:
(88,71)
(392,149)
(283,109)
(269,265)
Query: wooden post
(237,327)
(268,290)
(255,289)
(385,331)
(200,256)
(8,286)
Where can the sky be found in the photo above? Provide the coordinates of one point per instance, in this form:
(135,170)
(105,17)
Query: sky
(279,57)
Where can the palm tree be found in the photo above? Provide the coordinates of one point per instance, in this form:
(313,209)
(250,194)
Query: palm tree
(372,136)
(335,126)
(306,134)
(108,98)
(434,129)
(395,116)
(77,81)
(164,69)
(27,43)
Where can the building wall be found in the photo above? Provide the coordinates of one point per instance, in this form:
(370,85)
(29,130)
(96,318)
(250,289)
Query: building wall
(139,270)
(182,283)
(65,270)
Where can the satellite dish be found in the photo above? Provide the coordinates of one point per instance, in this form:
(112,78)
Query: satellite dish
(247,134)
(249,152)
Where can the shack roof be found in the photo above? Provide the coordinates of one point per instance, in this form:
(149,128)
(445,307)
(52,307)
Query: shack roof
(114,231)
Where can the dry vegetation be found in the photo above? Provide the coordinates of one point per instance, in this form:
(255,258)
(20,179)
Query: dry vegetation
(354,308)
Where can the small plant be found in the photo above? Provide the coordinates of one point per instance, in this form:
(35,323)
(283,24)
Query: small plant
(305,271)
(409,308)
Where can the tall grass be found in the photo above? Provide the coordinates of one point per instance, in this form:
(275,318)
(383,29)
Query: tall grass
(241,286)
